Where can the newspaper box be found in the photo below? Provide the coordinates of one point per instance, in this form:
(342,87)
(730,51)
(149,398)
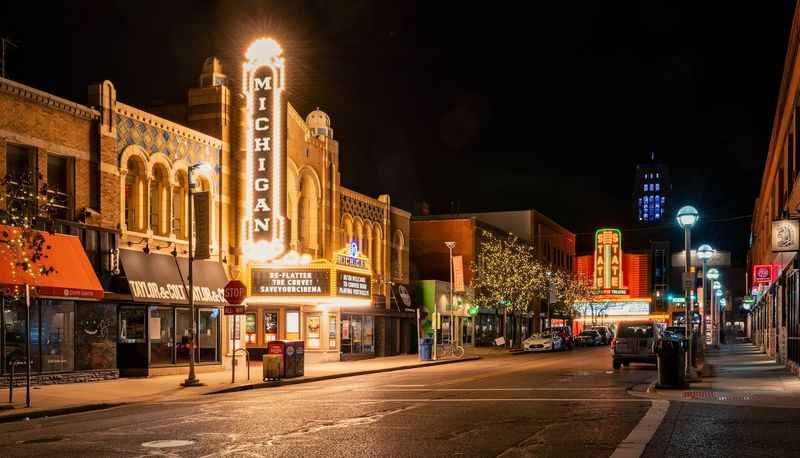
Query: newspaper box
(291,354)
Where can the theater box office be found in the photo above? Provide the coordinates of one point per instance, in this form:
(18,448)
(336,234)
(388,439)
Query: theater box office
(305,302)
(72,332)
(155,321)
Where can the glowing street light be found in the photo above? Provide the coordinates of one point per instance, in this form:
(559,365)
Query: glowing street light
(704,253)
(688,217)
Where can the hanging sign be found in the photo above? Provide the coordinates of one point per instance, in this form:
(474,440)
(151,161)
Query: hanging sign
(202,223)
(608,259)
(266,156)
(785,235)
(458,274)
(762,273)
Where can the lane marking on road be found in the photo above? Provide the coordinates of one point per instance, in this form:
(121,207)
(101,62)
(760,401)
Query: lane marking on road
(633,446)
(600,400)
(505,389)
(400,386)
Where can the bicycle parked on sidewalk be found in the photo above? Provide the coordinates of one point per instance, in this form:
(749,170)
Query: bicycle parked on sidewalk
(449,350)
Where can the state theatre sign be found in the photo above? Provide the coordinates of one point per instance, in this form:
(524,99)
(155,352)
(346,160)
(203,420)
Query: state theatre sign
(266,230)
(608,262)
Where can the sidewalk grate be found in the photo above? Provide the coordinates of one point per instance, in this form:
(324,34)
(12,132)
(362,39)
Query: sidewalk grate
(716,396)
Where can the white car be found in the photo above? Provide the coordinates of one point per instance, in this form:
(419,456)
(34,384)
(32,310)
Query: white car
(543,342)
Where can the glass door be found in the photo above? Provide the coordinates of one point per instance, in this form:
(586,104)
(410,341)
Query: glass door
(183,332)
(208,335)
(160,324)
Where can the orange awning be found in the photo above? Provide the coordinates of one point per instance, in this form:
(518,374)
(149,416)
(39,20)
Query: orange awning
(73,276)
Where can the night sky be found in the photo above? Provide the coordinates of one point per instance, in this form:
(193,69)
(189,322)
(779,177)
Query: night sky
(491,106)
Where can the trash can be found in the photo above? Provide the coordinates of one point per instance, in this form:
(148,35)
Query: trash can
(292,357)
(272,366)
(425,347)
(671,354)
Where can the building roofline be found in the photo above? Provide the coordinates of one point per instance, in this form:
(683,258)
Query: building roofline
(46,99)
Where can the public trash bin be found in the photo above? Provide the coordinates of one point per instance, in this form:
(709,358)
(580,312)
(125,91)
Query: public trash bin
(671,354)
(272,366)
(292,357)
(425,347)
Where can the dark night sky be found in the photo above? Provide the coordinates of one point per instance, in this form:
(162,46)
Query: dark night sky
(497,107)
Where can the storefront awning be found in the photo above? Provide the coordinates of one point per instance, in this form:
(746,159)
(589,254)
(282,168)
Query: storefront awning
(163,279)
(72,275)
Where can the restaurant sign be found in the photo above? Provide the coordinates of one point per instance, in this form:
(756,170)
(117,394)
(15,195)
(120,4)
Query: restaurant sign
(290,282)
(762,273)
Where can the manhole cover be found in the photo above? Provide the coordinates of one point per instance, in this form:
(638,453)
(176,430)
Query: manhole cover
(167,444)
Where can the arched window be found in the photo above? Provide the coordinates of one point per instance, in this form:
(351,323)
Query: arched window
(377,251)
(347,230)
(180,208)
(359,235)
(135,195)
(399,246)
(159,201)
(307,209)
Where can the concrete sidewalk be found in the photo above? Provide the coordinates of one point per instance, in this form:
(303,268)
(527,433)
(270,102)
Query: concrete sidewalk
(741,375)
(50,400)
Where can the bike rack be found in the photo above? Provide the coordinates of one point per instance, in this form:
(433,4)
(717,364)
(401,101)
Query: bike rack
(233,363)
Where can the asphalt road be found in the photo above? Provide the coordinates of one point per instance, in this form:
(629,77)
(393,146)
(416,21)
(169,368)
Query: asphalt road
(558,404)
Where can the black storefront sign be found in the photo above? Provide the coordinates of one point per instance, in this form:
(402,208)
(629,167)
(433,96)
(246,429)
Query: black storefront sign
(290,282)
(352,285)
(160,278)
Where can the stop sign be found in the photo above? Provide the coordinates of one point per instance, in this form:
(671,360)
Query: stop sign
(235,292)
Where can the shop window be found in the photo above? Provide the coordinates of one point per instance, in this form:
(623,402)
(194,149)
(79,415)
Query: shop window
(95,333)
(332,331)
(135,195)
(292,325)
(250,327)
(270,326)
(60,180)
(19,160)
(131,325)
(159,198)
(160,325)
(313,331)
(180,195)
(208,335)
(467,330)
(52,335)
(367,335)
(183,335)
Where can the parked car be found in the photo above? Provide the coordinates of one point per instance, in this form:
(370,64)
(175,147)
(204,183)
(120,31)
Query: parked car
(635,341)
(565,332)
(590,337)
(605,333)
(545,341)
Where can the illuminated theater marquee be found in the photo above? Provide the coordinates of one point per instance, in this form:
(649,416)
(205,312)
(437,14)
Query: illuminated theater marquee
(266,155)
(608,262)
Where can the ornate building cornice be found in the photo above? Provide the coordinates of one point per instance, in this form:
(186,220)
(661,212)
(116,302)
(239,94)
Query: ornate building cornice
(48,100)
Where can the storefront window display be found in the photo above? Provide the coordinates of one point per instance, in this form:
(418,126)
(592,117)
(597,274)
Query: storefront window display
(487,328)
(293,325)
(251,327)
(313,331)
(270,326)
(65,335)
(208,335)
(357,334)
(332,331)
(161,325)
(183,333)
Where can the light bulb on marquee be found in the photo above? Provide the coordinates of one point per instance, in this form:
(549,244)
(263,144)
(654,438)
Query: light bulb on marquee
(263,84)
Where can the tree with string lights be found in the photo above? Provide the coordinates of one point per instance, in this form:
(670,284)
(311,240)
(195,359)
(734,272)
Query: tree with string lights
(25,210)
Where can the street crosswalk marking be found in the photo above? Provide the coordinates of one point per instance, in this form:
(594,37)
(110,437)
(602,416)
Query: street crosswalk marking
(633,446)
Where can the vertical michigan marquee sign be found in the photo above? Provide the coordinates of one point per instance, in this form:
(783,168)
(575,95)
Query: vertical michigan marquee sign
(608,261)
(263,84)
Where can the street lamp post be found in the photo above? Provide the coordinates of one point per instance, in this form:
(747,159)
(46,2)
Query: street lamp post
(713,275)
(192,379)
(704,253)
(688,217)
(450,246)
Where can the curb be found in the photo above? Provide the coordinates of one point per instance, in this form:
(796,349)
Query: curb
(319,378)
(56,412)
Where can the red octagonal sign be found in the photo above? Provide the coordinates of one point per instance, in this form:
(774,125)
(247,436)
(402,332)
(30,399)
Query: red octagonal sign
(235,292)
